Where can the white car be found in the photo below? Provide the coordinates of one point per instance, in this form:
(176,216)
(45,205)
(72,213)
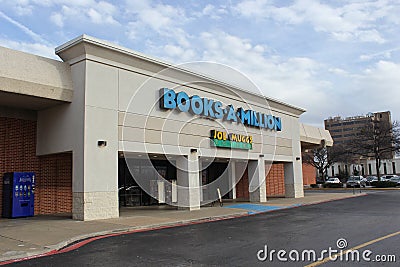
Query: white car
(387,177)
(395,179)
(333,180)
(383,179)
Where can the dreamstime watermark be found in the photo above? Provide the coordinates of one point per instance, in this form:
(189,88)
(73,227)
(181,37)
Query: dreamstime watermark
(338,253)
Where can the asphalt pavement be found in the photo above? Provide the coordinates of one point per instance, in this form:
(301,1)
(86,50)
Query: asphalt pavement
(370,223)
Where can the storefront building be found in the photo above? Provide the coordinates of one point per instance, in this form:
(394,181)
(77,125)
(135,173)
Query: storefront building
(108,127)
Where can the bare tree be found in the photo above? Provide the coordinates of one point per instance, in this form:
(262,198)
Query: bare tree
(323,158)
(378,140)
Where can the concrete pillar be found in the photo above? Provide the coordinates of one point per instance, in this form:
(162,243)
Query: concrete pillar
(293,170)
(232,178)
(201,183)
(257,188)
(188,181)
(293,179)
(95,165)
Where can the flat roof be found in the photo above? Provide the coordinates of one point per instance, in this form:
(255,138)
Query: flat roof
(108,45)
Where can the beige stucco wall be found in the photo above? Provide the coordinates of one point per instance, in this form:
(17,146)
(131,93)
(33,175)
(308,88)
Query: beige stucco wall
(144,127)
(118,80)
(27,74)
(77,127)
(114,100)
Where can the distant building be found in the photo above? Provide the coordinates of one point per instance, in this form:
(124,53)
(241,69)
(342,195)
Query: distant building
(343,130)
(365,167)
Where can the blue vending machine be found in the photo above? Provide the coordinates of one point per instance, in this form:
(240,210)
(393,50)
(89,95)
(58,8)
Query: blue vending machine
(18,194)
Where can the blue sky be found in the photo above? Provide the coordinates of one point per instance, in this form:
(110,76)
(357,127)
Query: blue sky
(329,57)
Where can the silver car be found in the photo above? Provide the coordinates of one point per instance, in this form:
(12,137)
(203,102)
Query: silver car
(387,177)
(395,179)
(356,181)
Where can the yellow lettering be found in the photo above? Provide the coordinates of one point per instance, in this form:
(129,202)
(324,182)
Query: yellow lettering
(234,137)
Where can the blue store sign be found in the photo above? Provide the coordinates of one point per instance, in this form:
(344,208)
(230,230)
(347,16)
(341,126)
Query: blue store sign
(215,109)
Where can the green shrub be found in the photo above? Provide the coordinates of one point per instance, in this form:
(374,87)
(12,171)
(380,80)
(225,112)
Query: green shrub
(314,185)
(384,184)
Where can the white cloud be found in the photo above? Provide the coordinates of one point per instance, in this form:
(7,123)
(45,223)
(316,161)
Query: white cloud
(386,54)
(95,16)
(253,8)
(179,54)
(158,17)
(338,71)
(287,79)
(57,19)
(20,7)
(212,12)
(164,20)
(352,21)
(32,48)
(373,89)
(103,13)
(381,81)
(98,12)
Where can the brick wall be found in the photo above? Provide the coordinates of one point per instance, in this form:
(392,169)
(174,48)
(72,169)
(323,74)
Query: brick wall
(53,173)
(275,181)
(309,174)
(242,187)
(54,184)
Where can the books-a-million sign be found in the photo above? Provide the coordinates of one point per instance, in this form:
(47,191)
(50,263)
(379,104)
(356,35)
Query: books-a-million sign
(223,139)
(213,109)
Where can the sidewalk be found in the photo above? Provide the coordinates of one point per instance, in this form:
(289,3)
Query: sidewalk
(26,237)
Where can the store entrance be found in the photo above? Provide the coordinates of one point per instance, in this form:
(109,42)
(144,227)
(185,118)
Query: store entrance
(213,177)
(150,173)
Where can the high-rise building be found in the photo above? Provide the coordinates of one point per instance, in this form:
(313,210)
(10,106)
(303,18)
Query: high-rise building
(345,130)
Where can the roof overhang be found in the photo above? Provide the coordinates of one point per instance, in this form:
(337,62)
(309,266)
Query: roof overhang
(311,137)
(32,82)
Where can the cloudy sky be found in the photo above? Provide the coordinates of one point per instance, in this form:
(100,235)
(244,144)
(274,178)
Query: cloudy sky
(330,57)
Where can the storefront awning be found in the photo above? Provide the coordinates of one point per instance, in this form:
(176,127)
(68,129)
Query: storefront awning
(312,136)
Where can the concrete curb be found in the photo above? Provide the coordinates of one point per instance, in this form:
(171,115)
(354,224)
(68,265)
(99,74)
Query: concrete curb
(63,246)
(81,240)
(350,189)
(144,228)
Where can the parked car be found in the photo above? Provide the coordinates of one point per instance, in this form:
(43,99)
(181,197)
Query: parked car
(387,177)
(370,179)
(333,180)
(383,179)
(395,179)
(356,181)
